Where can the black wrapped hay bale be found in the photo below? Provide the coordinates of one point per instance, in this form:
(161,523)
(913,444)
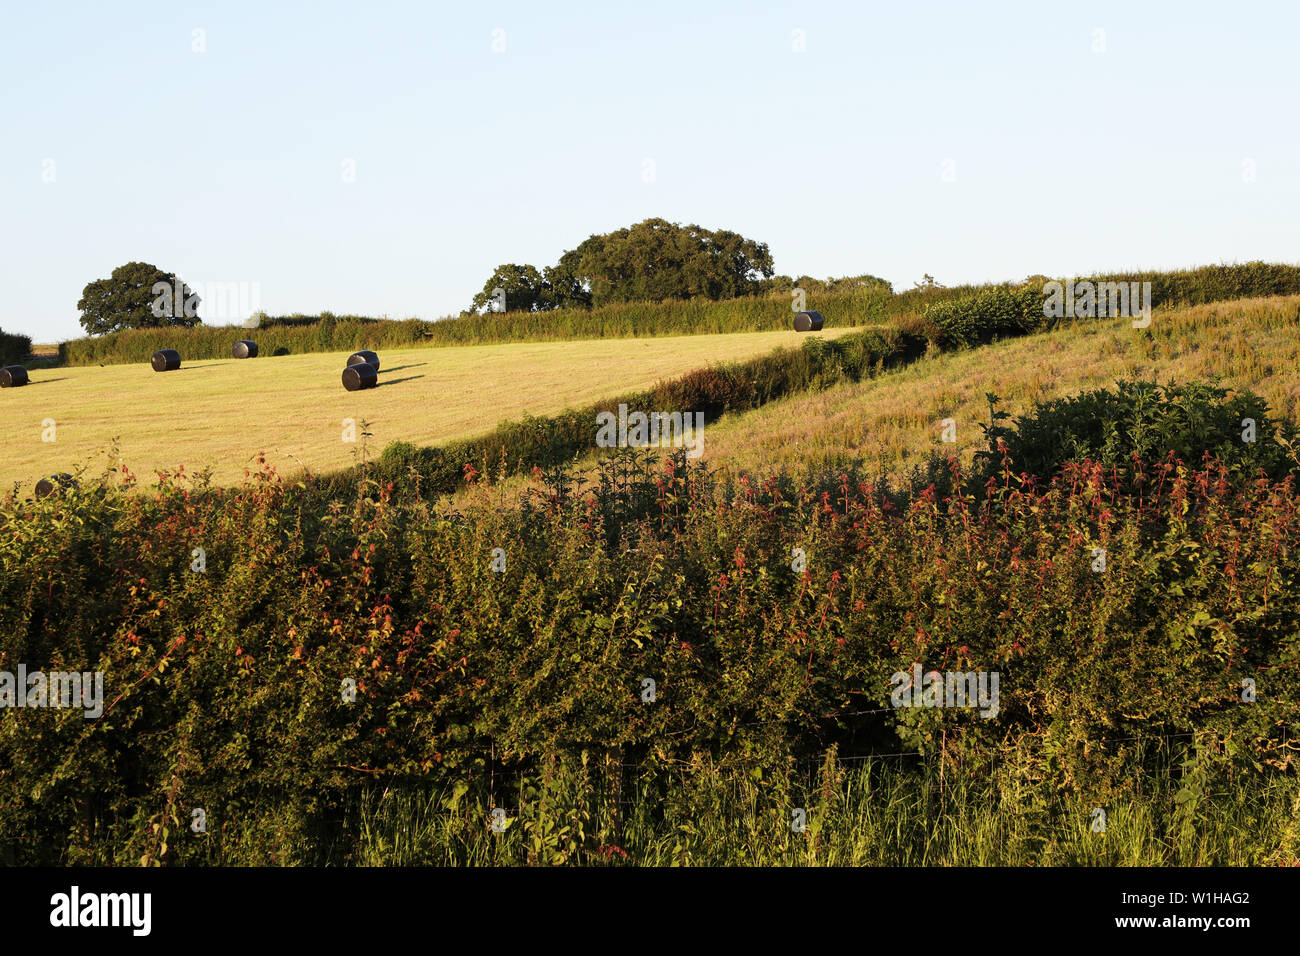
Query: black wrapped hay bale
(360,375)
(808,322)
(47,486)
(370,358)
(11,376)
(245,348)
(166,360)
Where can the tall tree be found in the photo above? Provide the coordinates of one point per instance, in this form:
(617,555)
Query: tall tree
(516,288)
(511,288)
(656,259)
(137,295)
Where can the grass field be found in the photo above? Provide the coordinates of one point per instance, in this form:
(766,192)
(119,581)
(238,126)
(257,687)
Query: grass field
(223,413)
(892,423)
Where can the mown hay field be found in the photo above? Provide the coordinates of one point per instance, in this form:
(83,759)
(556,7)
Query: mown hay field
(892,423)
(224,413)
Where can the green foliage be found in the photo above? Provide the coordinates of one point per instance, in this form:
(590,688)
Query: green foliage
(991,313)
(1008,310)
(222,688)
(136,296)
(1217,283)
(831,286)
(880,812)
(1147,422)
(14,349)
(656,260)
(525,289)
(653,261)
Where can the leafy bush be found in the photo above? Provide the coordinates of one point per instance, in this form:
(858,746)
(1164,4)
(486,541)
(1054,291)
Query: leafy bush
(986,315)
(1148,422)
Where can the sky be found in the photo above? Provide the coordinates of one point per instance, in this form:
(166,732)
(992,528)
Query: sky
(382,158)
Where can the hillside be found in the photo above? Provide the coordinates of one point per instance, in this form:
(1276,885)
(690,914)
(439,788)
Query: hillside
(224,412)
(891,423)
(894,422)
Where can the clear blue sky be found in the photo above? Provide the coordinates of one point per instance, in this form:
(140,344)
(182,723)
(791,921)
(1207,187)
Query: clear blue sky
(226,165)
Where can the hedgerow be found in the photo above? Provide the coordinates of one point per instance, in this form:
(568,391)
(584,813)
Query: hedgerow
(226,688)
(1010,310)
(14,349)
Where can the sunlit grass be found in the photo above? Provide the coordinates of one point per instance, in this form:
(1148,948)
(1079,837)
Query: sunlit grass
(878,813)
(222,413)
(894,422)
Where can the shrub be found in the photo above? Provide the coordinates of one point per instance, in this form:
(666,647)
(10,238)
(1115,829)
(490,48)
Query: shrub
(1148,422)
(986,315)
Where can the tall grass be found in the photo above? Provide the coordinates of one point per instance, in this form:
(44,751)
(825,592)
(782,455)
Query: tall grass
(891,811)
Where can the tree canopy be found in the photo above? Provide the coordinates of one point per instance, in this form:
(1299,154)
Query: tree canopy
(137,295)
(656,260)
(650,261)
(516,288)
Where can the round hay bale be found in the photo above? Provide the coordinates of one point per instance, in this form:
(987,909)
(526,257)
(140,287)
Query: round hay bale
(370,358)
(360,375)
(47,486)
(245,348)
(808,322)
(166,360)
(11,376)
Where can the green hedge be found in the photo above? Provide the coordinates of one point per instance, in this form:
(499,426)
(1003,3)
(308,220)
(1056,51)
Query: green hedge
(298,334)
(14,349)
(1218,283)
(1008,310)
(279,337)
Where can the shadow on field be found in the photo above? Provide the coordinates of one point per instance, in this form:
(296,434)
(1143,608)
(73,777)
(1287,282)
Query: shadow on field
(396,380)
(398,368)
(187,368)
(44,381)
